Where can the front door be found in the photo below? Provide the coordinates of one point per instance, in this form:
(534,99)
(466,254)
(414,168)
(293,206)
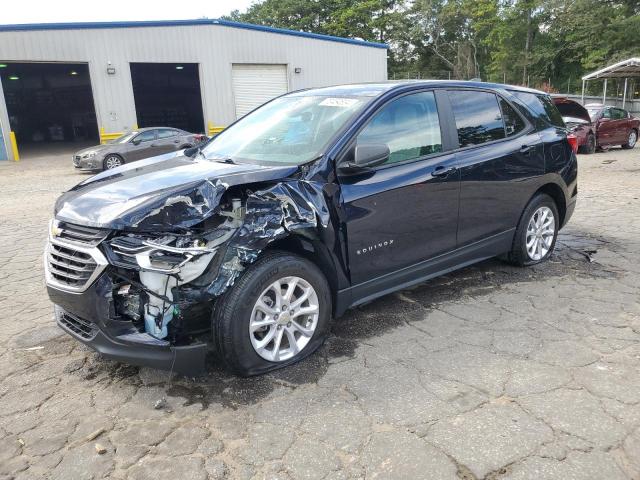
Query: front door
(406,210)
(142,146)
(606,127)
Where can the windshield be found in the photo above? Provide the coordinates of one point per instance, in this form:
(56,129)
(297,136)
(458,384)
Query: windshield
(593,113)
(124,138)
(291,130)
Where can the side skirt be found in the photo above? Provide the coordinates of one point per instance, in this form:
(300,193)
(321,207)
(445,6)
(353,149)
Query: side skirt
(420,272)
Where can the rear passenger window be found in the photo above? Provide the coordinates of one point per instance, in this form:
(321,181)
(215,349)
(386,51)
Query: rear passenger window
(513,123)
(618,114)
(409,125)
(478,117)
(166,133)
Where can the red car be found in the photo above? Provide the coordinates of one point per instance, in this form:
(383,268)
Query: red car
(599,126)
(614,126)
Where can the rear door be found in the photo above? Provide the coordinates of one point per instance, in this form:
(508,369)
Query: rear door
(405,211)
(499,157)
(620,125)
(168,140)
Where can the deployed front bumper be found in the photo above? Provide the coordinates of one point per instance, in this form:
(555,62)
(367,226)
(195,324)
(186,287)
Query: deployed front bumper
(85,316)
(82,292)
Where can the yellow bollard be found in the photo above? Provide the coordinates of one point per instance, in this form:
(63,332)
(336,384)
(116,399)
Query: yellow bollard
(14,146)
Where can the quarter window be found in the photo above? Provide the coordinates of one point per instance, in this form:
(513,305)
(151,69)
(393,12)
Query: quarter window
(478,117)
(513,123)
(542,106)
(409,125)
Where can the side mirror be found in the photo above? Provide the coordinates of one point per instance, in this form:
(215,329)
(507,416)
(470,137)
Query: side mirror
(135,141)
(190,152)
(366,156)
(371,154)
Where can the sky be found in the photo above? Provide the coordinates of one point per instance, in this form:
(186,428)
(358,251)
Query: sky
(48,11)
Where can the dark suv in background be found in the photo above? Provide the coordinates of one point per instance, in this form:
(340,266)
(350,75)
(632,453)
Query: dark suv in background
(318,201)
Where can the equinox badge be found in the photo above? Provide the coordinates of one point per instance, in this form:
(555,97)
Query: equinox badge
(375,246)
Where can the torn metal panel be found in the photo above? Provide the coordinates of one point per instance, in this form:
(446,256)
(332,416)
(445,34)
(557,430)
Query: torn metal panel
(182,210)
(177,270)
(270,214)
(160,194)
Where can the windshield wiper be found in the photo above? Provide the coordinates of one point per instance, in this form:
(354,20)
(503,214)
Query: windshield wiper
(224,160)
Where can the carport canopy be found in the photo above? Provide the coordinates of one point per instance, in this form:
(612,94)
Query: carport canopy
(625,69)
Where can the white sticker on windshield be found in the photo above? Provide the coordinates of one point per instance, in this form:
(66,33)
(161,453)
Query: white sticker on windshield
(338,102)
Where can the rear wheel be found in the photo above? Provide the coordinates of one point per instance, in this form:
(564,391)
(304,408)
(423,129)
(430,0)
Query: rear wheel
(631,140)
(536,233)
(277,313)
(112,161)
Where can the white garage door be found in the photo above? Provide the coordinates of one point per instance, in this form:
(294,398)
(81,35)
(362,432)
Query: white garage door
(254,84)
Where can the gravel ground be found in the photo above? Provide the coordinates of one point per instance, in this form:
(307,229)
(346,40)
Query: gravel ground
(491,372)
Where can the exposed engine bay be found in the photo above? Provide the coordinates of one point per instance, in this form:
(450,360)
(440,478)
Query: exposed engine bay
(164,282)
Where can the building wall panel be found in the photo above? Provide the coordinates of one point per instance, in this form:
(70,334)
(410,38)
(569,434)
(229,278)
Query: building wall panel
(214,47)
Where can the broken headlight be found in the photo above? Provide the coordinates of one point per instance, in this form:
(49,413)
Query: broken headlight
(167,254)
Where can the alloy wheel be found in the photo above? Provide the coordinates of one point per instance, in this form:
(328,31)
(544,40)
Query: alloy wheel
(633,138)
(112,162)
(540,232)
(284,319)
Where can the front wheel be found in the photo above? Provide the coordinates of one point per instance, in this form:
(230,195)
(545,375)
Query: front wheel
(537,231)
(590,146)
(631,140)
(112,161)
(277,313)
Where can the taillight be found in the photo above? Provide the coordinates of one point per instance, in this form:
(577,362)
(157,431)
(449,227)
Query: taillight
(573,141)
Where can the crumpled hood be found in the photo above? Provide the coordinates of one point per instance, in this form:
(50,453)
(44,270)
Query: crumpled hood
(158,194)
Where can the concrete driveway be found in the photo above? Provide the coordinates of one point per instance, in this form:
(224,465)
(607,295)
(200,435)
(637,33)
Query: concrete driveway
(491,372)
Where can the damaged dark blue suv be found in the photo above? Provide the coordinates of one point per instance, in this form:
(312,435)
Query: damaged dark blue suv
(317,201)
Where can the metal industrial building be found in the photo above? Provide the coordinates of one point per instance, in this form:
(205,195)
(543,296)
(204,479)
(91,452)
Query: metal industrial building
(80,83)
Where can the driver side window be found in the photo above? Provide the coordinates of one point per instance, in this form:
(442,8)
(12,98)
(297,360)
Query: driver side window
(409,126)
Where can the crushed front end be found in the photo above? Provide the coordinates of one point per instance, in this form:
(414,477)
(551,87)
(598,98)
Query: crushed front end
(143,295)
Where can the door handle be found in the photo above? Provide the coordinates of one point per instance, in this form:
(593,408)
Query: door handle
(442,171)
(176,141)
(525,149)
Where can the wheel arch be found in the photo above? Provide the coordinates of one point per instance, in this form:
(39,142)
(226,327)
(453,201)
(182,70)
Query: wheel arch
(557,194)
(315,252)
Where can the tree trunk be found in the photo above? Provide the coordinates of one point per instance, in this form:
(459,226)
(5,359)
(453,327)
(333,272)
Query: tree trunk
(527,45)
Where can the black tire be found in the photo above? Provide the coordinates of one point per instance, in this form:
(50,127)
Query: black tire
(232,313)
(589,147)
(519,254)
(108,162)
(631,140)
